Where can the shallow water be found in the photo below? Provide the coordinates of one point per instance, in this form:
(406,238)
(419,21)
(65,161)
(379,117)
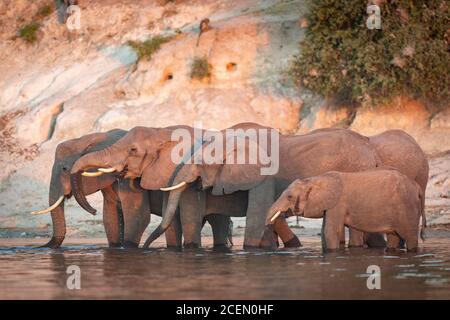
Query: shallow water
(32,273)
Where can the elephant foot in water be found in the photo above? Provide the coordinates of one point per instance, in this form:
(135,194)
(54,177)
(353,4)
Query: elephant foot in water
(126,244)
(191,245)
(294,242)
(222,248)
(114,245)
(375,240)
(54,243)
(130,244)
(269,241)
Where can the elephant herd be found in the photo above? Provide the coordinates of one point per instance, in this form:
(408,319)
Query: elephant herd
(374,185)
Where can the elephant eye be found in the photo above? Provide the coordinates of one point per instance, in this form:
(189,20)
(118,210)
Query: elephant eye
(133,150)
(290,197)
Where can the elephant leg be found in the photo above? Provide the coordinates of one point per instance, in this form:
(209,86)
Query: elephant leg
(192,208)
(260,199)
(331,229)
(173,233)
(112,217)
(342,237)
(393,241)
(356,238)
(222,228)
(411,238)
(375,240)
(290,240)
(136,212)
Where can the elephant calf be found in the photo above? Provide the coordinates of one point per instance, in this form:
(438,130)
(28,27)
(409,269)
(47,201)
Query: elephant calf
(379,200)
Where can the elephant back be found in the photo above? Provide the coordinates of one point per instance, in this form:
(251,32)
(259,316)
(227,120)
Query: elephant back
(325,150)
(398,149)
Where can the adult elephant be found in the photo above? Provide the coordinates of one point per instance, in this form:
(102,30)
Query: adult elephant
(140,154)
(126,206)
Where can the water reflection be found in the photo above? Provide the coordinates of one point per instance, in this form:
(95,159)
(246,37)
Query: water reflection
(38,273)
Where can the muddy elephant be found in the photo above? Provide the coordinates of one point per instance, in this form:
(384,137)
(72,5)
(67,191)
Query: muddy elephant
(380,200)
(126,207)
(146,153)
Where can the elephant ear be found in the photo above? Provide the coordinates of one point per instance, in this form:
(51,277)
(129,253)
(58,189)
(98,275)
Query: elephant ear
(233,176)
(160,171)
(323,194)
(157,167)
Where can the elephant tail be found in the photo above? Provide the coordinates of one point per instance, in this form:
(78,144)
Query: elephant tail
(422,213)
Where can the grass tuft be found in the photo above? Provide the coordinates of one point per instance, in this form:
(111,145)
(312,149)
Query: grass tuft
(200,68)
(145,49)
(29,32)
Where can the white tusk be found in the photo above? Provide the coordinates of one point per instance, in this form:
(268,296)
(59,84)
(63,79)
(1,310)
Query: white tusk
(275,216)
(56,204)
(173,187)
(91,174)
(106,170)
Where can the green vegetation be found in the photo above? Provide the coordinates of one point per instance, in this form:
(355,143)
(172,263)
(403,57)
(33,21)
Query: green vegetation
(45,11)
(29,32)
(341,58)
(147,48)
(200,68)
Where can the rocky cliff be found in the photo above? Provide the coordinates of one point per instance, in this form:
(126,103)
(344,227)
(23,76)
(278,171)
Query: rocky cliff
(68,84)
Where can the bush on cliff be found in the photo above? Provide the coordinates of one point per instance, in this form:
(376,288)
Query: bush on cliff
(45,11)
(341,58)
(200,68)
(145,49)
(29,31)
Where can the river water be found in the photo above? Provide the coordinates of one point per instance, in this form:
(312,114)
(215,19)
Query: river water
(305,273)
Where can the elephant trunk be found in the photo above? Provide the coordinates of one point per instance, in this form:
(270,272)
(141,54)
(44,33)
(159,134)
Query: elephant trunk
(168,215)
(58,218)
(59,227)
(98,159)
(77,190)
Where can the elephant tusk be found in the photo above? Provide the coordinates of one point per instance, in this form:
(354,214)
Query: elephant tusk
(181,184)
(91,174)
(276,215)
(106,170)
(56,204)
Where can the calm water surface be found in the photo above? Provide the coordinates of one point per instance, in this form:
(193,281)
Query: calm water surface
(33,273)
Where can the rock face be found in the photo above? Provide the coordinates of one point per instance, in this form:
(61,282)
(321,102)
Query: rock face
(411,116)
(438,190)
(67,85)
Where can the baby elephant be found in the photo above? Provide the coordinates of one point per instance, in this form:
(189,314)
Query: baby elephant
(379,200)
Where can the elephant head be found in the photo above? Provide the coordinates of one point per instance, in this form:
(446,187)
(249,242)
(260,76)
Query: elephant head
(168,159)
(309,197)
(60,189)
